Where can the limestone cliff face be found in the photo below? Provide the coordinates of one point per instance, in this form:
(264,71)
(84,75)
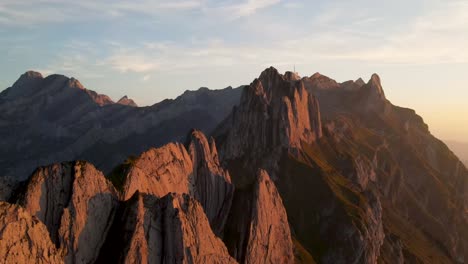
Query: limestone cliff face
(24,239)
(258,229)
(77,205)
(197,172)
(212,183)
(269,236)
(172,229)
(160,171)
(274,111)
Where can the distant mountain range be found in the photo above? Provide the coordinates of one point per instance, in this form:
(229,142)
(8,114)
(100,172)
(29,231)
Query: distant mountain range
(460,149)
(51,119)
(288,169)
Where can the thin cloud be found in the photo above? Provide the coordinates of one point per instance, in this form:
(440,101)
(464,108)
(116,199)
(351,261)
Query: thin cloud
(26,14)
(250,7)
(132,63)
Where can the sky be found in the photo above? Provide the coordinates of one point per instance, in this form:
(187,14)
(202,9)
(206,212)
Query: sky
(152,50)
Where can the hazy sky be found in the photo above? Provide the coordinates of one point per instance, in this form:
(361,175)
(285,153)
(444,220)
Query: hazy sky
(151,50)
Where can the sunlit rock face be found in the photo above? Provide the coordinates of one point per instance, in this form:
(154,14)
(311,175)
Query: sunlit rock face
(269,225)
(212,183)
(257,230)
(194,170)
(171,229)
(77,205)
(274,111)
(160,171)
(24,239)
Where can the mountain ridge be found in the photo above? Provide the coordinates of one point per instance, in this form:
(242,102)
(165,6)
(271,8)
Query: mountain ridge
(55,123)
(296,169)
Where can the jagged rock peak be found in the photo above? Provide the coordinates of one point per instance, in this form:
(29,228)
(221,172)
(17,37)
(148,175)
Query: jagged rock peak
(273,112)
(23,238)
(360,82)
(172,168)
(376,87)
(257,227)
(77,205)
(171,229)
(269,225)
(199,244)
(126,101)
(213,187)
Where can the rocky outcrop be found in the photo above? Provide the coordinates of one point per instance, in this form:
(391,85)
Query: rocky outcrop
(269,238)
(23,238)
(274,113)
(373,96)
(77,205)
(172,229)
(160,171)
(196,172)
(258,229)
(127,101)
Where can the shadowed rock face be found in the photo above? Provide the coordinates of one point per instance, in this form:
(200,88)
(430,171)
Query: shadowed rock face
(23,238)
(54,119)
(172,229)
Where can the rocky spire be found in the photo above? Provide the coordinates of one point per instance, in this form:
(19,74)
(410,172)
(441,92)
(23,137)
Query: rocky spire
(172,229)
(360,82)
(213,187)
(373,95)
(258,225)
(376,87)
